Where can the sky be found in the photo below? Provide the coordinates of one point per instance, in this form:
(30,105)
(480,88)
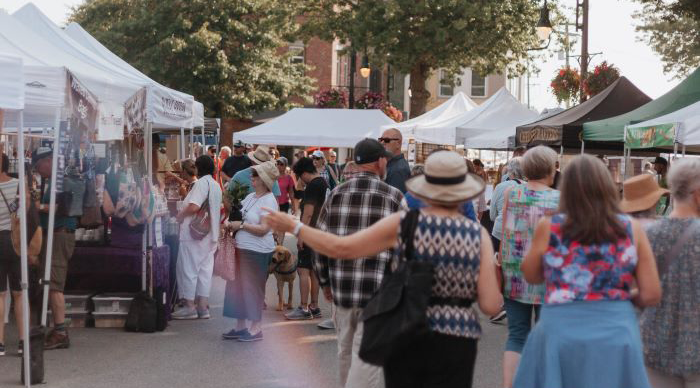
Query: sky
(611,32)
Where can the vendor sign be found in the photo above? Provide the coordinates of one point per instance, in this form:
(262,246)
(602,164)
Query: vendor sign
(651,136)
(538,135)
(135,111)
(83,106)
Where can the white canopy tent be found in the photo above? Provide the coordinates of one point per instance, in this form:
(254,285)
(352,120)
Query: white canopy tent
(685,123)
(318,127)
(417,127)
(12,98)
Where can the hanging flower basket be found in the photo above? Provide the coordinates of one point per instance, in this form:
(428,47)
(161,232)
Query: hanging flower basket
(602,76)
(370,100)
(566,85)
(331,98)
(393,112)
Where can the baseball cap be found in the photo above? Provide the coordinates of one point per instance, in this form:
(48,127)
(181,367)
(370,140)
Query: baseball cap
(318,154)
(661,160)
(41,153)
(238,143)
(369,150)
(283,160)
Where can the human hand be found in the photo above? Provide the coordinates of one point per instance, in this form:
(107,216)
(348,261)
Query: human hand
(234,225)
(278,221)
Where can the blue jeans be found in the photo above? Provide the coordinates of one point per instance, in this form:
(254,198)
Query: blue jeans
(519,323)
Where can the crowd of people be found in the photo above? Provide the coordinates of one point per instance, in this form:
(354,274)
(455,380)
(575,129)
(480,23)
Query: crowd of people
(598,285)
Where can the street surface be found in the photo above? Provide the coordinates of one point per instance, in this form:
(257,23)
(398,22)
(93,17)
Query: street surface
(192,354)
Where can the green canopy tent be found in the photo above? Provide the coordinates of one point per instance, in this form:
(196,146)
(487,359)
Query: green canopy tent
(564,129)
(613,129)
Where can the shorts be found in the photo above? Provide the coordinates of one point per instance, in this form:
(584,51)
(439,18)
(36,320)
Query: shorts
(10,265)
(284,207)
(306,256)
(519,323)
(63,246)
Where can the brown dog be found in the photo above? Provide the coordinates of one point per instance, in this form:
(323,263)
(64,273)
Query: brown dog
(284,267)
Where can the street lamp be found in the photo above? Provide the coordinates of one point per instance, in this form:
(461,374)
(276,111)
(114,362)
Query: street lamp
(544,26)
(365,70)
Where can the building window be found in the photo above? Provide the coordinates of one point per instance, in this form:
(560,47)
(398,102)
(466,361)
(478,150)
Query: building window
(342,74)
(296,55)
(478,85)
(446,88)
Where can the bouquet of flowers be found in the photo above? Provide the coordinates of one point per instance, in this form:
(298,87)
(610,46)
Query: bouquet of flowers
(370,100)
(603,76)
(331,98)
(566,85)
(393,112)
(234,194)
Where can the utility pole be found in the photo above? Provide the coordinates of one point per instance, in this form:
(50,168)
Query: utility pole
(582,6)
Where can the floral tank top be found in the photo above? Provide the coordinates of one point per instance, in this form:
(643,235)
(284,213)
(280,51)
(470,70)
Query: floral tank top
(578,272)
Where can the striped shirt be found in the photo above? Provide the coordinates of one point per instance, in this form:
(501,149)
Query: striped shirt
(9,190)
(351,207)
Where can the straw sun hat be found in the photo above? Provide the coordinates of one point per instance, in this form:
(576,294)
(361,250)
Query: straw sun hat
(640,193)
(268,173)
(446,180)
(260,155)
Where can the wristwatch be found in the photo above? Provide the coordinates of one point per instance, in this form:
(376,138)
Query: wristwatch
(241,226)
(297,228)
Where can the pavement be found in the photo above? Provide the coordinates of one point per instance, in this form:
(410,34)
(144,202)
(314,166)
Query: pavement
(192,354)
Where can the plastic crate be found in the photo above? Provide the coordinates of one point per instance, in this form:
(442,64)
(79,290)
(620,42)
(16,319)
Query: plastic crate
(73,319)
(109,320)
(78,301)
(112,302)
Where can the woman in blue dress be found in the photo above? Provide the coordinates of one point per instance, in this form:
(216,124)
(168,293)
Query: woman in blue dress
(589,256)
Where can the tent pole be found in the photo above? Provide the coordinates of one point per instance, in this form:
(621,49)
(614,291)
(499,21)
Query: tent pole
(204,143)
(23,246)
(52,217)
(148,145)
(182,143)
(583,146)
(684,150)
(192,143)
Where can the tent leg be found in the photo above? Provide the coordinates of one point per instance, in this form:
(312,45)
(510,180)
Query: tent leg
(52,218)
(23,246)
(192,143)
(148,141)
(684,150)
(204,143)
(583,146)
(182,143)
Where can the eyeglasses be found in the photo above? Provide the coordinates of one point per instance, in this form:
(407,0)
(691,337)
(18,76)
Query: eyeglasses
(387,139)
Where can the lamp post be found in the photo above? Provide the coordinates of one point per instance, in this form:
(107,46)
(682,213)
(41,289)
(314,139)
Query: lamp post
(351,103)
(365,69)
(582,6)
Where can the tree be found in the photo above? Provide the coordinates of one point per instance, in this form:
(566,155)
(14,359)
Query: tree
(224,52)
(417,37)
(672,29)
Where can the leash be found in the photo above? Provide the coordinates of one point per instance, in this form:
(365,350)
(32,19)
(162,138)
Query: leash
(277,269)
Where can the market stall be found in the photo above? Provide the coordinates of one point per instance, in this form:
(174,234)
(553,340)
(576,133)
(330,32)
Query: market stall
(680,128)
(564,130)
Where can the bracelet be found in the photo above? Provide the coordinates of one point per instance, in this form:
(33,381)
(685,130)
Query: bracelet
(241,226)
(297,228)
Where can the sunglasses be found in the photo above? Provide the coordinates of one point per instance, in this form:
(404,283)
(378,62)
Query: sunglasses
(387,139)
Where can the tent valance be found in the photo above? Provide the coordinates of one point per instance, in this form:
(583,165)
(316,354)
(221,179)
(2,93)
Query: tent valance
(11,82)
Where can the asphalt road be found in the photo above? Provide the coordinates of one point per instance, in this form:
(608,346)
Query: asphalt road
(192,354)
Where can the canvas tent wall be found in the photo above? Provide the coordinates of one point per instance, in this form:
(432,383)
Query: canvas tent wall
(612,129)
(503,138)
(565,129)
(318,127)
(413,128)
(681,127)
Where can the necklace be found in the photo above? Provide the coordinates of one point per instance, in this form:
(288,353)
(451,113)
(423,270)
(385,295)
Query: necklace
(247,208)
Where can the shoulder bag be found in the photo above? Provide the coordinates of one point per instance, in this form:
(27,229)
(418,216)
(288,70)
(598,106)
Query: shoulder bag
(397,312)
(225,258)
(201,222)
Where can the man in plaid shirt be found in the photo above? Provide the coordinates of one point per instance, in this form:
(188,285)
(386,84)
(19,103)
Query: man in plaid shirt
(351,207)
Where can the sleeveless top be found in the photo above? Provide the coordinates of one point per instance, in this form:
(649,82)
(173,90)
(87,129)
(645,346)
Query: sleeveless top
(522,209)
(453,246)
(578,272)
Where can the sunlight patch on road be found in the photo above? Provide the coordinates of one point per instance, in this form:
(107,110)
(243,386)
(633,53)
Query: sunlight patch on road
(289,323)
(310,339)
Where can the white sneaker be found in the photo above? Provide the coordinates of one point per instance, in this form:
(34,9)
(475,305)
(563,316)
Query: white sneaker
(185,313)
(327,324)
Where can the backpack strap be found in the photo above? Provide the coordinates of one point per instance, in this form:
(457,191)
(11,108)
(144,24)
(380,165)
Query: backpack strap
(408,230)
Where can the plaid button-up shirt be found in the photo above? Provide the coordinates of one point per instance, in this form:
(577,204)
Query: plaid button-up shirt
(351,207)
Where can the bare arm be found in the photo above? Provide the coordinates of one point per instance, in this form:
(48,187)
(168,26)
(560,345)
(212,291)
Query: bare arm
(490,298)
(189,210)
(646,273)
(532,267)
(367,242)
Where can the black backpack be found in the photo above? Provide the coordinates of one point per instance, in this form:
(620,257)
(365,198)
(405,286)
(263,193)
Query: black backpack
(143,314)
(397,312)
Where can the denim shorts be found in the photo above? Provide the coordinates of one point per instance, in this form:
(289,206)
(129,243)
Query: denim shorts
(519,323)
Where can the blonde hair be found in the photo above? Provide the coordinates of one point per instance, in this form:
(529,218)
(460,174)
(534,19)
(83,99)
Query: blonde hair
(539,162)
(683,178)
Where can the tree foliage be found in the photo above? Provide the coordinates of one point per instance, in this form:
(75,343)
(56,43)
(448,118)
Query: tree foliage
(224,52)
(418,37)
(672,29)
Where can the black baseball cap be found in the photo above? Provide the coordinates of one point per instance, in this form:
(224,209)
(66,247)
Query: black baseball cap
(660,160)
(370,150)
(41,153)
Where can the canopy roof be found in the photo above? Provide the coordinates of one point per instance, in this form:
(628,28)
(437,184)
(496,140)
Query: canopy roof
(416,127)
(494,122)
(565,128)
(11,83)
(612,129)
(502,138)
(157,112)
(318,127)
(682,125)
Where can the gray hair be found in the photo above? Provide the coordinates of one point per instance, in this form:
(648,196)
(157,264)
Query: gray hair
(514,168)
(539,162)
(227,149)
(683,178)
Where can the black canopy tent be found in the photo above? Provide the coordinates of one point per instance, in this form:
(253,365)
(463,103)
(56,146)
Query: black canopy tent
(565,129)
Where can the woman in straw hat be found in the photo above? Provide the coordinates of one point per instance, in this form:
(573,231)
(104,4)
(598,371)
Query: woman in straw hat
(670,331)
(589,257)
(640,196)
(255,244)
(445,356)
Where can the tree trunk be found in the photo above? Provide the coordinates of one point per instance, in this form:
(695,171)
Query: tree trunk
(419,95)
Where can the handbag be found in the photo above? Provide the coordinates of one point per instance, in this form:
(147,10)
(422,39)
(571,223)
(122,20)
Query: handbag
(73,184)
(397,312)
(92,216)
(200,226)
(143,314)
(225,258)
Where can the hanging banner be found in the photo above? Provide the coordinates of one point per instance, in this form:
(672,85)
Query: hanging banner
(135,111)
(83,107)
(170,108)
(652,136)
(111,123)
(538,135)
